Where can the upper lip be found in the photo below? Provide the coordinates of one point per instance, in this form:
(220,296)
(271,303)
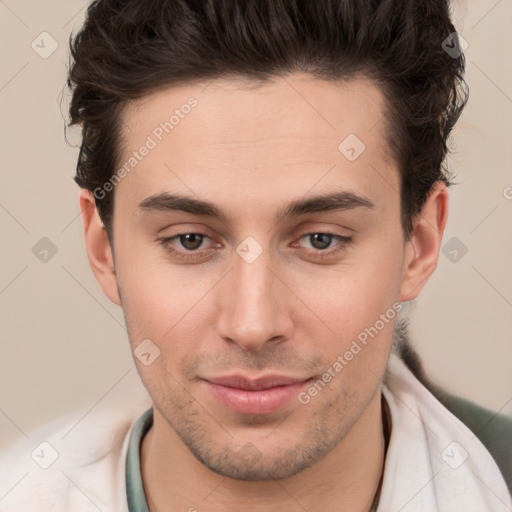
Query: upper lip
(266,382)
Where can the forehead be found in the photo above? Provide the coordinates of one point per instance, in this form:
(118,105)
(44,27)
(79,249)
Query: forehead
(236,110)
(284,136)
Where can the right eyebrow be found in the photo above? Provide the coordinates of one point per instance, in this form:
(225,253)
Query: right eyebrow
(177,202)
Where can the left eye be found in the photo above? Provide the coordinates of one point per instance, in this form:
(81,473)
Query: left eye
(191,241)
(322,241)
(319,240)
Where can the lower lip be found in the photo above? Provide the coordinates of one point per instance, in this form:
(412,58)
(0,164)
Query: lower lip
(264,401)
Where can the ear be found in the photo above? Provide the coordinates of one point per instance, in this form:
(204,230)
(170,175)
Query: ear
(422,248)
(98,247)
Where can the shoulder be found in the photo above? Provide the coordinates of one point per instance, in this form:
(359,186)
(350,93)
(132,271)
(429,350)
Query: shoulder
(78,466)
(493,429)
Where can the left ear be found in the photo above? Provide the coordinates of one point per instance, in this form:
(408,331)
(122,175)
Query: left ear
(422,248)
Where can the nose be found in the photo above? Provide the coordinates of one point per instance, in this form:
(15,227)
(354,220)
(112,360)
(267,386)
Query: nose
(254,308)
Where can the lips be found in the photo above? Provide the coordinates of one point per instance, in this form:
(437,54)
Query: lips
(262,395)
(240,382)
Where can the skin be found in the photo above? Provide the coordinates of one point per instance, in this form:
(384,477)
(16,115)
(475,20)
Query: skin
(251,149)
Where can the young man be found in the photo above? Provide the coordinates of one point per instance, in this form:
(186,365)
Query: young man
(262,190)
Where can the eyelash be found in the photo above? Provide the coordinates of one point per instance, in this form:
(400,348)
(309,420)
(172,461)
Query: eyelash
(345,241)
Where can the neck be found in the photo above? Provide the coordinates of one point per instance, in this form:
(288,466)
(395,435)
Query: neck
(347,479)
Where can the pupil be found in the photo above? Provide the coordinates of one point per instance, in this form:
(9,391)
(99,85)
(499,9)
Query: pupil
(323,238)
(191,240)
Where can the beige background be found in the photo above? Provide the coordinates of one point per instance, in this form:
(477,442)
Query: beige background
(64,348)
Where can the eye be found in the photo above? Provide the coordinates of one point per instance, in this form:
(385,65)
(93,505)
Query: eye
(325,245)
(320,240)
(191,241)
(185,245)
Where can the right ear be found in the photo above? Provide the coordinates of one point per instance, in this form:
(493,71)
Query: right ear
(98,247)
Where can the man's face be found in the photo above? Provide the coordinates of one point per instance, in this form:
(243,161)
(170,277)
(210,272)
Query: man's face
(259,294)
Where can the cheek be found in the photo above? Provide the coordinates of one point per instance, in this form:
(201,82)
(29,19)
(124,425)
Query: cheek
(359,311)
(163,302)
(162,305)
(356,305)
(352,296)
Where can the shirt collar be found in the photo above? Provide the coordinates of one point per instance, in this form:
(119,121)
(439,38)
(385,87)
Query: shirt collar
(134,486)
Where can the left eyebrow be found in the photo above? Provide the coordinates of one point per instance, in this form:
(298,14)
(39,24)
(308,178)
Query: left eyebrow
(342,200)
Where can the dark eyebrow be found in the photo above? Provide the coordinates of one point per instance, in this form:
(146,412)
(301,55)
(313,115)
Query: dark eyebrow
(176,202)
(342,200)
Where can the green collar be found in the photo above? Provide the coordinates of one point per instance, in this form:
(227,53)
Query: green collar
(134,487)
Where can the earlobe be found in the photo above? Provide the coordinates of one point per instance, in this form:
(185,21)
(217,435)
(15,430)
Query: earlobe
(98,247)
(422,248)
